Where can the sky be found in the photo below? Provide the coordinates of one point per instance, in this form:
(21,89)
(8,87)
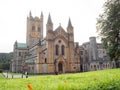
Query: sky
(13,17)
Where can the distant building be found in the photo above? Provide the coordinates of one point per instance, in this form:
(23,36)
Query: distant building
(56,53)
(94,57)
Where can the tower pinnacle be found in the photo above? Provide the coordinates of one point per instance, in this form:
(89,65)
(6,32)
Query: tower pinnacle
(49,19)
(69,23)
(41,14)
(30,14)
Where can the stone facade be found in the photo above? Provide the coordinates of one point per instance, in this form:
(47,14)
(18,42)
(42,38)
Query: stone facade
(94,57)
(56,53)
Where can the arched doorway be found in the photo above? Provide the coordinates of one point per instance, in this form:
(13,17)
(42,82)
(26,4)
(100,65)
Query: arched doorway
(60,68)
(95,67)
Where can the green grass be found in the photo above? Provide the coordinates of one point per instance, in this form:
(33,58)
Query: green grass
(97,80)
(1,76)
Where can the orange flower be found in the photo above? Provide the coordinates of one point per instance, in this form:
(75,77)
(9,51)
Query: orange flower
(30,87)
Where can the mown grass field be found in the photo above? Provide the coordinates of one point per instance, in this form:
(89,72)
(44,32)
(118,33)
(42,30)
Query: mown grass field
(97,80)
(1,76)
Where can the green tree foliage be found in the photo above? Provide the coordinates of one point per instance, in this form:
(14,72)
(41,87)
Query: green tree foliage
(108,25)
(5,59)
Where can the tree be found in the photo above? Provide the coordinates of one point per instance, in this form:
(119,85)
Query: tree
(108,25)
(5,59)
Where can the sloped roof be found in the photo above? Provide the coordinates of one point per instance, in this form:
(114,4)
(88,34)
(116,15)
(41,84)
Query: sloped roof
(21,45)
(29,61)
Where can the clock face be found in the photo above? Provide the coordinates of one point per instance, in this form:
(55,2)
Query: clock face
(36,34)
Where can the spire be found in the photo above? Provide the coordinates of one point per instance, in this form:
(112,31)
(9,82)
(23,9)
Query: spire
(49,19)
(16,41)
(59,24)
(30,14)
(69,23)
(41,14)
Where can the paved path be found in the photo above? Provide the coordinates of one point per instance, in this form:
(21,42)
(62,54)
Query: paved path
(8,75)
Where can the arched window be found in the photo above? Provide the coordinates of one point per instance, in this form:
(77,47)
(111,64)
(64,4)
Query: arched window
(45,60)
(97,66)
(19,53)
(33,28)
(57,49)
(91,66)
(39,29)
(63,50)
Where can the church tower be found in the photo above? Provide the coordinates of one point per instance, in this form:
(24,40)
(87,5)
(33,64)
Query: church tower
(70,31)
(49,40)
(49,28)
(49,23)
(93,54)
(34,29)
(70,43)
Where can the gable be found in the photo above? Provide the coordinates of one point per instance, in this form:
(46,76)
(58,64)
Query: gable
(60,32)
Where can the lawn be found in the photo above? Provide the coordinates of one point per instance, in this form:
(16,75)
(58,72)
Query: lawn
(1,76)
(97,80)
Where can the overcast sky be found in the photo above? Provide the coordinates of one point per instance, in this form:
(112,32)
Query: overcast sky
(13,15)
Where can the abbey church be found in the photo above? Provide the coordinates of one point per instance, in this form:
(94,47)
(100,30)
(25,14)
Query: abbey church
(55,53)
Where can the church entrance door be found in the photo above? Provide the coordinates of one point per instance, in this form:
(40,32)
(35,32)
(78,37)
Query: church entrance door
(60,68)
